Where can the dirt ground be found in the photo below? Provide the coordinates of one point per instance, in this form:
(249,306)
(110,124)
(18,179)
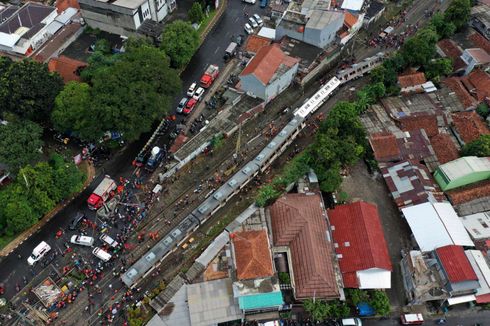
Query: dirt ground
(360,185)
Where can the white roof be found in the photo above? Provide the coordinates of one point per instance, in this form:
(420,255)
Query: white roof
(429,87)
(436,225)
(413,317)
(355,5)
(8,40)
(477,225)
(464,166)
(267,32)
(482,270)
(374,278)
(461,299)
(66,15)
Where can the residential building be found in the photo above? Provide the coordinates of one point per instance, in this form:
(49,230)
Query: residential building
(358,70)
(268,73)
(480,264)
(412,82)
(468,126)
(62,5)
(255,42)
(463,171)
(352,24)
(124,17)
(410,183)
(373,12)
(68,68)
(480,41)
(385,147)
(475,58)
(480,20)
(300,234)
(472,89)
(278,8)
(447,48)
(477,225)
(471,199)
(436,225)
(360,246)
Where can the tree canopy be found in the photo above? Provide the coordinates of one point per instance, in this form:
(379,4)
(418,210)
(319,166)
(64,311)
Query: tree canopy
(458,12)
(20,143)
(28,89)
(196,14)
(320,310)
(443,27)
(180,41)
(479,147)
(420,48)
(436,68)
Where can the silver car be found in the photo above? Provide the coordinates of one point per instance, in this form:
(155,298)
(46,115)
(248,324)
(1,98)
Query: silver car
(258,19)
(248,29)
(252,22)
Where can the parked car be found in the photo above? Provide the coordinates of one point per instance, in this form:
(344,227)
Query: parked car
(258,19)
(192,89)
(353,321)
(39,252)
(110,241)
(263,3)
(82,240)
(198,94)
(189,106)
(101,254)
(248,29)
(252,2)
(76,220)
(252,22)
(181,105)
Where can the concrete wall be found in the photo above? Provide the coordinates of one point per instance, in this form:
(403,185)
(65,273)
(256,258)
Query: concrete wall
(283,29)
(251,84)
(325,36)
(280,84)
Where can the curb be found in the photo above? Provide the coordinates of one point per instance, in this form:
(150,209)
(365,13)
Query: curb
(14,244)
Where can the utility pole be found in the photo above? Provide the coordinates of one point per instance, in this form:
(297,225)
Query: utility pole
(239,140)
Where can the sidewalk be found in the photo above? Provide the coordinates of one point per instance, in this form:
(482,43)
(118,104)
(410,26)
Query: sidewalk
(90,172)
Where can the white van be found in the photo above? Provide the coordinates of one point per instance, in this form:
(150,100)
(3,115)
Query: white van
(101,254)
(82,240)
(110,241)
(39,252)
(354,321)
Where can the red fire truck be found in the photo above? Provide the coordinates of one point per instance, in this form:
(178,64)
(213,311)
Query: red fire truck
(103,192)
(209,76)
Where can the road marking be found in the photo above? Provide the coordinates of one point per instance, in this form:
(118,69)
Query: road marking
(216,51)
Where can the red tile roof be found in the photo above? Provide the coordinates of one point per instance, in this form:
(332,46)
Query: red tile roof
(265,64)
(480,55)
(357,230)
(412,79)
(481,82)
(255,43)
(469,125)
(68,68)
(384,146)
(299,222)
(456,264)
(444,148)
(480,41)
(252,254)
(484,298)
(454,84)
(62,5)
(422,121)
(451,50)
(349,19)
(470,192)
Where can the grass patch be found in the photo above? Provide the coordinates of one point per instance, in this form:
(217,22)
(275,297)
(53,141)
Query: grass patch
(6,239)
(206,22)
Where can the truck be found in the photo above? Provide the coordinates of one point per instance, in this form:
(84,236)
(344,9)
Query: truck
(211,73)
(154,159)
(230,51)
(411,319)
(103,192)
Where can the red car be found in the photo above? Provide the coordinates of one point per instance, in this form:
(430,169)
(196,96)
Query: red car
(189,106)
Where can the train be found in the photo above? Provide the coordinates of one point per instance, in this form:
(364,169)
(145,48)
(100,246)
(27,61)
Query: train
(170,242)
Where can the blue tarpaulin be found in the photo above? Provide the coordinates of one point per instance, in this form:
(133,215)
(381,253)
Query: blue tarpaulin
(364,309)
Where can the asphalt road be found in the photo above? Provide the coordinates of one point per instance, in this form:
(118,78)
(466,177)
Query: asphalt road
(481,317)
(211,52)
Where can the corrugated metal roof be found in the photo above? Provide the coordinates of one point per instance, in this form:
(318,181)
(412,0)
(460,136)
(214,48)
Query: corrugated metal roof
(464,166)
(482,270)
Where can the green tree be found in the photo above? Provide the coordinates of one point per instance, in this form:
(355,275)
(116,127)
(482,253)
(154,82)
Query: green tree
(380,302)
(458,13)
(20,143)
(267,195)
(330,179)
(479,147)
(19,215)
(28,89)
(357,296)
(67,178)
(180,41)
(436,68)
(443,28)
(196,14)
(483,110)
(317,309)
(420,48)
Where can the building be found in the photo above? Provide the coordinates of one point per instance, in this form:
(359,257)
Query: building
(412,82)
(255,42)
(410,183)
(479,41)
(468,126)
(268,73)
(124,17)
(447,48)
(360,246)
(373,13)
(477,225)
(69,69)
(317,27)
(358,70)
(300,235)
(352,5)
(471,199)
(472,89)
(436,225)
(475,58)
(463,171)
(352,24)
(480,20)
(385,147)
(480,266)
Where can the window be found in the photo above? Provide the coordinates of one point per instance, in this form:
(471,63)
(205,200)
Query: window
(483,223)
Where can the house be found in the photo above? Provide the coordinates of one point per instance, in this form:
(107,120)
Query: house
(360,246)
(412,82)
(447,48)
(268,73)
(352,24)
(480,266)
(457,275)
(477,225)
(471,199)
(410,183)
(479,41)
(463,171)
(475,58)
(25,29)
(352,5)
(472,89)
(468,126)
(68,68)
(436,225)
(317,27)
(62,5)
(300,233)
(124,17)
(385,147)
(480,20)
(373,13)
(255,42)
(444,147)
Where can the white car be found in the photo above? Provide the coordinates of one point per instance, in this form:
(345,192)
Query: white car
(39,252)
(191,90)
(252,22)
(82,240)
(198,94)
(252,2)
(248,29)
(258,19)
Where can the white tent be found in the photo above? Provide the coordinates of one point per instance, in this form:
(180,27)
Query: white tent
(436,225)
